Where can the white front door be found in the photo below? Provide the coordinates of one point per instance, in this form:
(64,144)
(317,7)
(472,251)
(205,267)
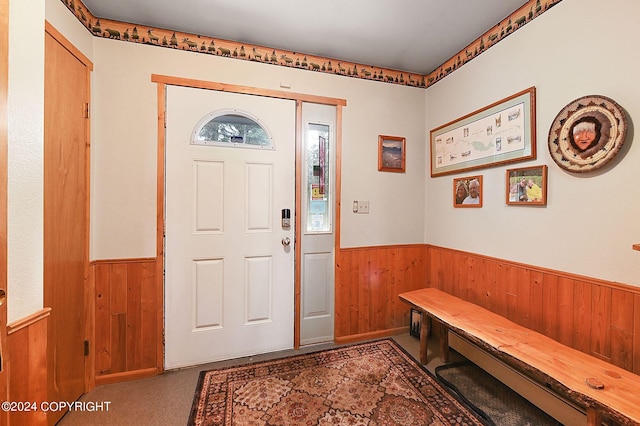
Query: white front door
(229,279)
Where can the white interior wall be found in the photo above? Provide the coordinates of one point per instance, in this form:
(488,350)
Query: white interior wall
(587,227)
(26,147)
(124,144)
(25,107)
(578,48)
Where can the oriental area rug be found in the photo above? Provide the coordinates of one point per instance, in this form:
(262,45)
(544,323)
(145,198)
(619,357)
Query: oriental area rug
(373,383)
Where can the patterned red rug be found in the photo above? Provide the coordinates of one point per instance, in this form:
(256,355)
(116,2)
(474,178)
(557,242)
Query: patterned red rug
(374,383)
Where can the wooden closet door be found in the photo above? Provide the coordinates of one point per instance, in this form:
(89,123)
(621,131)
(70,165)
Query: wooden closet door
(65,219)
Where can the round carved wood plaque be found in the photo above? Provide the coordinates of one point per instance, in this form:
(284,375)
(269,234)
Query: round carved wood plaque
(587,133)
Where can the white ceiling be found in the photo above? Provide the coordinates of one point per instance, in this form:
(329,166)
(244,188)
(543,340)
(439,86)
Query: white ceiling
(405,35)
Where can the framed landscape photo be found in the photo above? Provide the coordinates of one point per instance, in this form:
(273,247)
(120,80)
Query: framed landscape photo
(467,191)
(503,132)
(391,153)
(527,186)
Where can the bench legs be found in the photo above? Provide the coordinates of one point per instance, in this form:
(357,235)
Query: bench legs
(594,418)
(425,331)
(444,343)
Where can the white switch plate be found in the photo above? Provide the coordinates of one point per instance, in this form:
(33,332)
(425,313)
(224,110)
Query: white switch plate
(363,207)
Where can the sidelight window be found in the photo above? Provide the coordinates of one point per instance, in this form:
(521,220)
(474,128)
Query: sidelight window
(318,186)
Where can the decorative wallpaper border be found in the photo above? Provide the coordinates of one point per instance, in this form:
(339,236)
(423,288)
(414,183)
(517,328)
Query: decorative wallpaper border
(134,33)
(525,14)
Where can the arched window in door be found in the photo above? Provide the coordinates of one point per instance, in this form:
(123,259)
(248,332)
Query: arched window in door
(232,128)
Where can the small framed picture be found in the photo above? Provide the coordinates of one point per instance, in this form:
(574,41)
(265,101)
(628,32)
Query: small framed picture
(527,186)
(391,153)
(467,191)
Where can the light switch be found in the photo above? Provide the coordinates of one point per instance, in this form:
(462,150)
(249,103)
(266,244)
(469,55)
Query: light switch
(363,207)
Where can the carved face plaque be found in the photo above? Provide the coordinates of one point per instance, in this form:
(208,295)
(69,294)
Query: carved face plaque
(587,133)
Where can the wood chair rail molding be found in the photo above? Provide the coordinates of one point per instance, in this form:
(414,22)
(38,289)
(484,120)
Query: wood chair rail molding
(383,247)
(122,261)
(134,33)
(28,320)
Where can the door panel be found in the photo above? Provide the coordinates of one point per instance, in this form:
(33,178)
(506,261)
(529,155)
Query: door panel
(65,220)
(317,295)
(259,281)
(208,287)
(228,279)
(208,185)
(259,194)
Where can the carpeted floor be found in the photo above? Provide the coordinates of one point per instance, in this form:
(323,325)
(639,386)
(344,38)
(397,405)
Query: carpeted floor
(489,398)
(368,383)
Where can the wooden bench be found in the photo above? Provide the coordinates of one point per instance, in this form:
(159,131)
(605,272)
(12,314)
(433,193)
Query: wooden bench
(600,388)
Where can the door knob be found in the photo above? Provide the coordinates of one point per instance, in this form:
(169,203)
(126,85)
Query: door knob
(286,241)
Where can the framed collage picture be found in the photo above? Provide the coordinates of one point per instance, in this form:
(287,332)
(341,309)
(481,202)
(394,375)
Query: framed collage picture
(500,133)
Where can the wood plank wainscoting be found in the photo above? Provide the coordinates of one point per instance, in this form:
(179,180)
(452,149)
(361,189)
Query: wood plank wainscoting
(27,355)
(598,317)
(128,300)
(368,281)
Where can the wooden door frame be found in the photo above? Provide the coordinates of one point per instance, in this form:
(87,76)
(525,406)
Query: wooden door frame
(162,82)
(89,287)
